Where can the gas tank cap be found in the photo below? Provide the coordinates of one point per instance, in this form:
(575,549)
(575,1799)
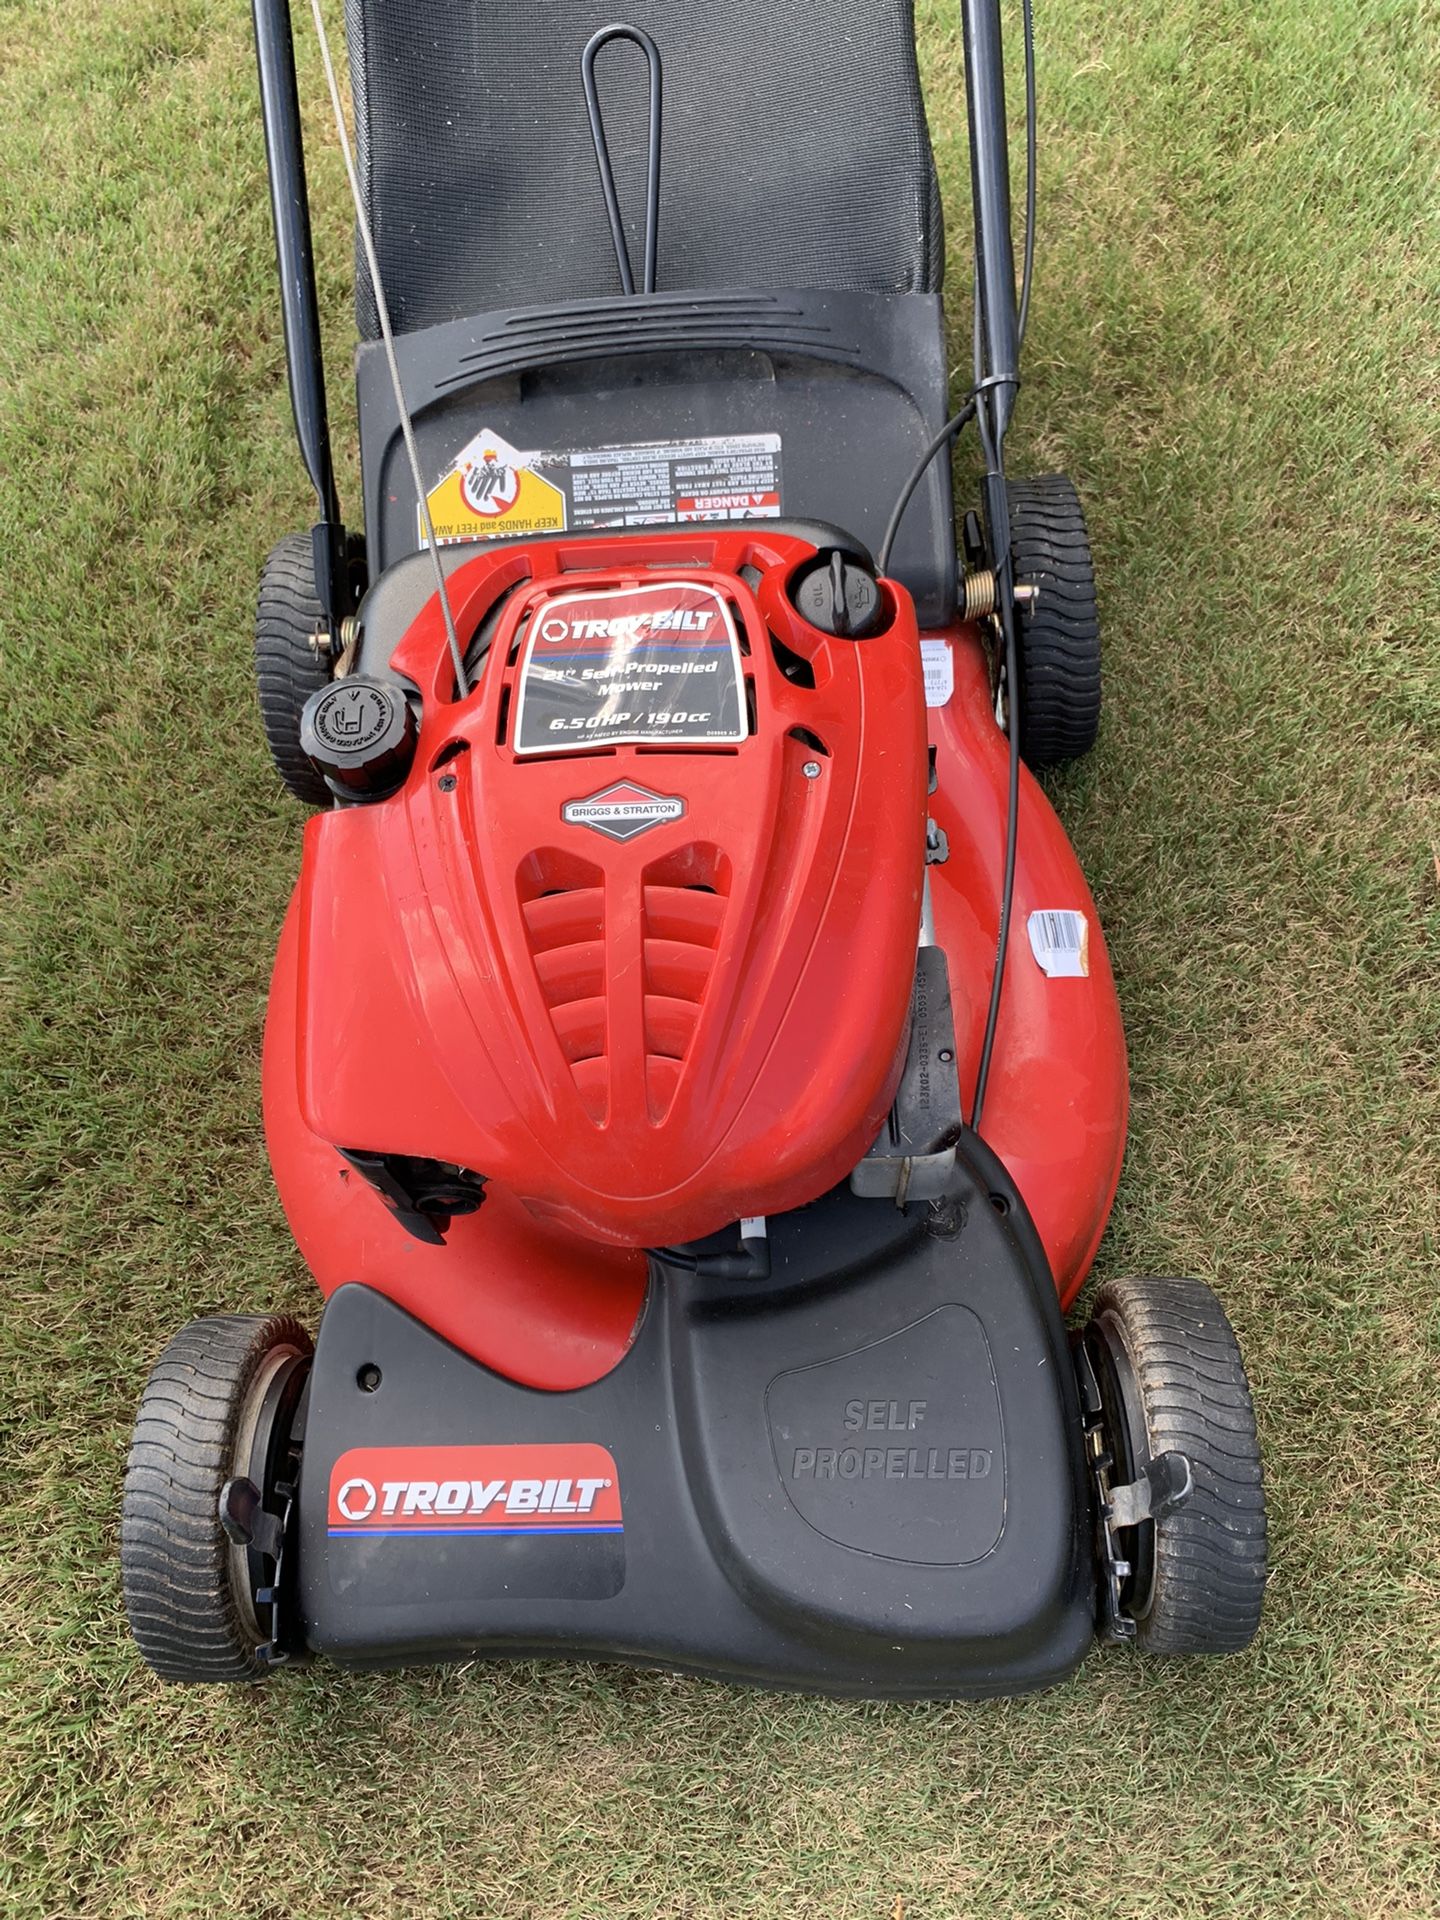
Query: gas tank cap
(360,733)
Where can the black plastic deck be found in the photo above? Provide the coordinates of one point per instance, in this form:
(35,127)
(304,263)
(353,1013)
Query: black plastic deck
(854,384)
(862,1476)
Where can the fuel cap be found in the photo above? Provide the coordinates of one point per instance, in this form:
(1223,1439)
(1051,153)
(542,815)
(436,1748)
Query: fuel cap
(838,595)
(360,734)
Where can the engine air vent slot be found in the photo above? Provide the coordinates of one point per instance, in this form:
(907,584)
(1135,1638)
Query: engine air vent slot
(478,650)
(794,666)
(450,751)
(562,899)
(690,746)
(742,631)
(685,900)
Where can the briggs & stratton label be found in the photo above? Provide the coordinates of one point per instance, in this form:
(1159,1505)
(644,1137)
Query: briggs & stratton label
(621,665)
(494,491)
(623,811)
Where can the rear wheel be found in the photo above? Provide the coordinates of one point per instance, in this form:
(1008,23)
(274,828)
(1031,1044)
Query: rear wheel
(1174,1392)
(289,666)
(218,1408)
(1058,632)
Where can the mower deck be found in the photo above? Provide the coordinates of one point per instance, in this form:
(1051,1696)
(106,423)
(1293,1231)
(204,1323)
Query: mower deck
(863,1476)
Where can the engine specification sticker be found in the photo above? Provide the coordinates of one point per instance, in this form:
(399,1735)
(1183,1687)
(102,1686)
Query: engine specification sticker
(621,665)
(493,490)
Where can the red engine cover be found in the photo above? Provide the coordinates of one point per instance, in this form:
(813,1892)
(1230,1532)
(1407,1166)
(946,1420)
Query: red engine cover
(647,988)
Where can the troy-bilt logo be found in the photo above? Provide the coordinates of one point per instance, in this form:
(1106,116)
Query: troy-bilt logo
(622,811)
(569,1487)
(626,627)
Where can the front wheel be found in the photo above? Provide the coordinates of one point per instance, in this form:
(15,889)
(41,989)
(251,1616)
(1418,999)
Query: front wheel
(218,1411)
(1177,1415)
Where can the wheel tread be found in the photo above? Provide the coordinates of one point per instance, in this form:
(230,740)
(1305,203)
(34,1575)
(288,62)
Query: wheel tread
(287,668)
(1059,639)
(175,1559)
(1210,1554)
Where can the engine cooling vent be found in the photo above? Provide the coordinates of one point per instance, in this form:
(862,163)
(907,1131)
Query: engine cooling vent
(684,910)
(563,901)
(683,905)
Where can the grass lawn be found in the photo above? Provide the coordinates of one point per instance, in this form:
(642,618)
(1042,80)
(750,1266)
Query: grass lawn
(1234,351)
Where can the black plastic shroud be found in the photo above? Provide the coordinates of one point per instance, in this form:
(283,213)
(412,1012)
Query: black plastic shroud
(863,1476)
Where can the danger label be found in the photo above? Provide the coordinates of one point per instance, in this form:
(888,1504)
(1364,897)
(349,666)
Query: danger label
(493,490)
(624,665)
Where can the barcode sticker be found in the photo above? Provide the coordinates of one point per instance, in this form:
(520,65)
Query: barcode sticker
(1060,942)
(939,671)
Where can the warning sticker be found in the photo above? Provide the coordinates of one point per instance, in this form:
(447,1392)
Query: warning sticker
(620,665)
(939,672)
(491,491)
(494,490)
(1060,942)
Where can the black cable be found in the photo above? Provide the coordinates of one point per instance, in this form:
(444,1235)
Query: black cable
(1031,145)
(946,434)
(992,443)
(978,404)
(1007,890)
(637,37)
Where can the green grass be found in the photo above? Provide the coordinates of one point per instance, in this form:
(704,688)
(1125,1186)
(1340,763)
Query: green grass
(1234,351)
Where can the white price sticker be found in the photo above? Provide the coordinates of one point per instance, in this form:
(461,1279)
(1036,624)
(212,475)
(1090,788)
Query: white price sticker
(1060,942)
(939,671)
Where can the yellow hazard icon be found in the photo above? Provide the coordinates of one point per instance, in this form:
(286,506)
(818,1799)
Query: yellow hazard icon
(490,493)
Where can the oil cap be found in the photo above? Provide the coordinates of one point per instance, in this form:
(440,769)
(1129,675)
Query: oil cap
(838,595)
(360,734)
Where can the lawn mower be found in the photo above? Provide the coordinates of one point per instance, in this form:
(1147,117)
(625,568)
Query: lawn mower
(693,1071)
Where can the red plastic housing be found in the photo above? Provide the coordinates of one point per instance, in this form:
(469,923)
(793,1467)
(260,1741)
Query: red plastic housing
(642,1041)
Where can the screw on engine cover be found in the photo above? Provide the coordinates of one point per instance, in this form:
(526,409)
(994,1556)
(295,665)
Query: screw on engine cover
(811,769)
(446,783)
